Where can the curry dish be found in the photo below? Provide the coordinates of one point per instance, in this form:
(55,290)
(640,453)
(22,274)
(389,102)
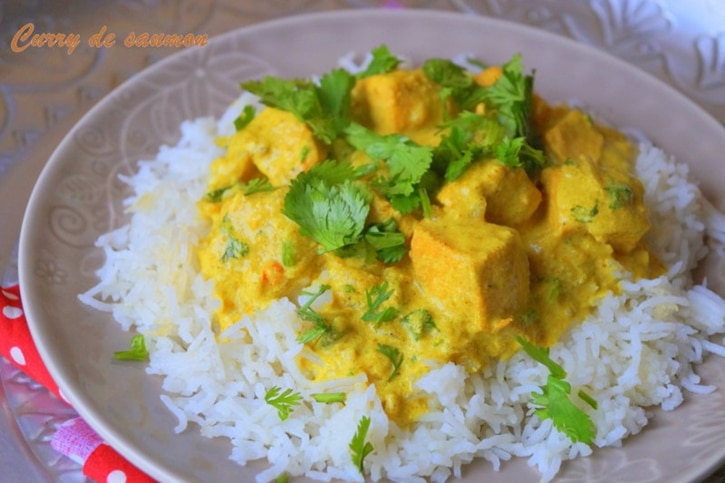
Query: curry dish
(533,218)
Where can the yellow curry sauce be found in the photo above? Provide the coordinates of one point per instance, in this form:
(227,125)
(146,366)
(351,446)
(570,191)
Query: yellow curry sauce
(500,253)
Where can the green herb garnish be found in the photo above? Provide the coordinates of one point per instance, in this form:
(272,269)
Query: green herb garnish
(395,357)
(359,448)
(235,248)
(375,297)
(406,161)
(289,257)
(419,323)
(328,205)
(325,108)
(320,325)
(517,153)
(585,215)
(329,397)
(283,402)
(257,185)
(388,242)
(382,62)
(619,195)
(554,403)
(244,118)
(216,195)
(136,352)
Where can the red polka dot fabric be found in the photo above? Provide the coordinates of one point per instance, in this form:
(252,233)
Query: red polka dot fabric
(74,439)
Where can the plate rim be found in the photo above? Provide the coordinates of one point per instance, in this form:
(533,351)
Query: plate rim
(26,257)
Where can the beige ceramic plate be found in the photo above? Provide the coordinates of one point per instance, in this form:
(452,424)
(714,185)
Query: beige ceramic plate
(79,197)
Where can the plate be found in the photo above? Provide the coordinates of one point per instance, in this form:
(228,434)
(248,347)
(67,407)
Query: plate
(78,196)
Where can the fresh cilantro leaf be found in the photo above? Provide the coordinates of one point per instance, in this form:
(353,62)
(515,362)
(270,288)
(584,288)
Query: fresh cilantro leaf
(407,162)
(216,195)
(324,108)
(511,97)
(585,215)
(283,402)
(382,62)
(327,205)
(517,153)
(136,352)
(375,296)
(469,136)
(293,95)
(620,195)
(388,242)
(334,94)
(359,448)
(554,403)
(458,166)
(455,82)
(541,355)
(321,327)
(405,204)
(329,397)
(258,185)
(235,249)
(395,357)
(244,118)
(419,323)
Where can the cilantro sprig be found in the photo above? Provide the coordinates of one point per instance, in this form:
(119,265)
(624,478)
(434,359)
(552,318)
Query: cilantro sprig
(387,241)
(328,205)
(518,153)
(554,403)
(325,108)
(331,207)
(359,447)
(419,323)
(283,401)
(375,297)
(321,327)
(235,248)
(394,356)
(455,82)
(511,97)
(257,185)
(382,62)
(407,163)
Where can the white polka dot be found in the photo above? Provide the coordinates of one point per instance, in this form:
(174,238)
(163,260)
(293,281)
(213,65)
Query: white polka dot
(17,355)
(12,312)
(10,295)
(116,476)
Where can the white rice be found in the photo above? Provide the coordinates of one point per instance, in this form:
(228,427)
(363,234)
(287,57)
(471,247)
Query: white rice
(637,351)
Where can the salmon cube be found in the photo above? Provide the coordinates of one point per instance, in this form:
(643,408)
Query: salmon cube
(476,272)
